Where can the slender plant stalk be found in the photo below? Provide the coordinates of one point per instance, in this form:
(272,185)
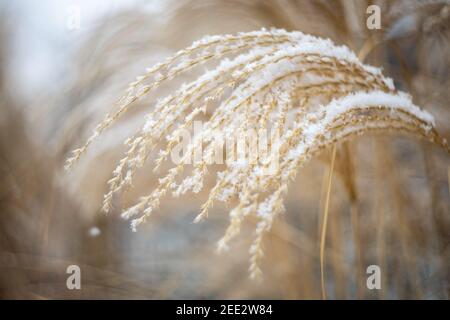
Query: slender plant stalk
(367,47)
(324,224)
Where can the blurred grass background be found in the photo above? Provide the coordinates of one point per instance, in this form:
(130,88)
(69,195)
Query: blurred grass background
(390,196)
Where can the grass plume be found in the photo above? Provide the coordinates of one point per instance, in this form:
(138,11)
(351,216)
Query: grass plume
(314,92)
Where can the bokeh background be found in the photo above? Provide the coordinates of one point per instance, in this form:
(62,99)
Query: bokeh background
(390,196)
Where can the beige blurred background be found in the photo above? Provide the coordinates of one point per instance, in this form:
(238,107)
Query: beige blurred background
(390,196)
